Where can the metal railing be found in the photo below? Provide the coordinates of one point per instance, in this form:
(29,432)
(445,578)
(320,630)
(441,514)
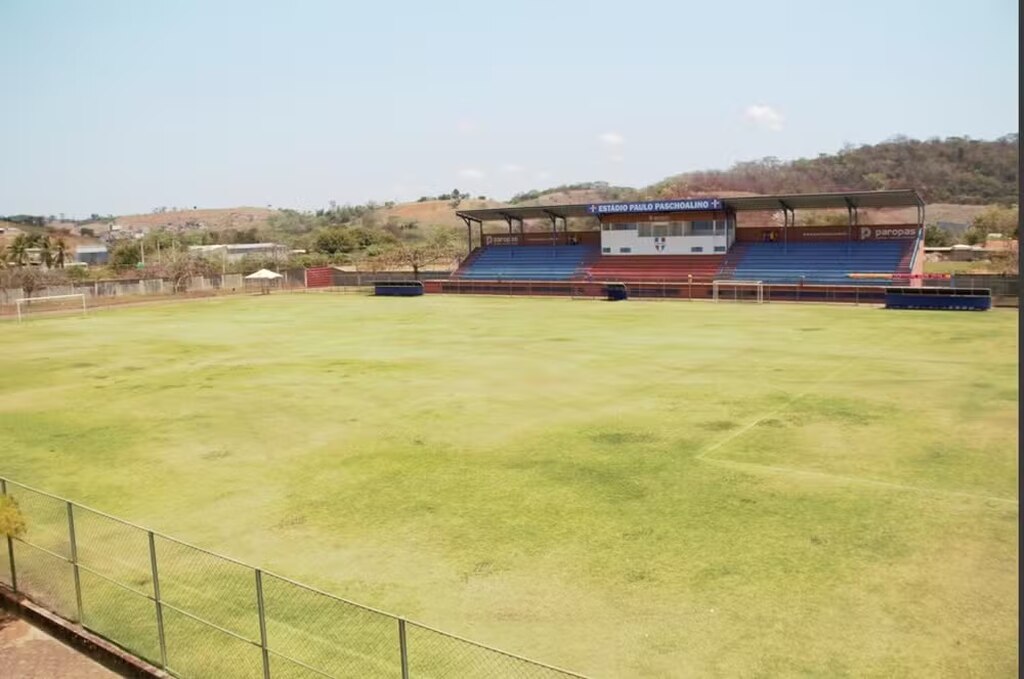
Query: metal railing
(195,613)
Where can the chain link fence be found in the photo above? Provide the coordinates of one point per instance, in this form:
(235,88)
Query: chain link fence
(96,291)
(198,614)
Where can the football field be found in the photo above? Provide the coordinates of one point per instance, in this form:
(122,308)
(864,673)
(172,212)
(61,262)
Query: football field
(623,489)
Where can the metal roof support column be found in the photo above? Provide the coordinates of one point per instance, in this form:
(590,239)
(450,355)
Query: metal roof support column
(469,234)
(554,226)
(851,221)
(788,221)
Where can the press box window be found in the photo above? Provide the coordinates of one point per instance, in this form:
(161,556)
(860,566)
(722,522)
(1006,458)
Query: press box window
(625,250)
(606,250)
(697,248)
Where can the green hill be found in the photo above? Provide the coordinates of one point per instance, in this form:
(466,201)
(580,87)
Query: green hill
(952,170)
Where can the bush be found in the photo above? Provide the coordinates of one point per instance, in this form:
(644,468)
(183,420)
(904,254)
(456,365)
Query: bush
(12,521)
(77,273)
(126,255)
(334,241)
(936,237)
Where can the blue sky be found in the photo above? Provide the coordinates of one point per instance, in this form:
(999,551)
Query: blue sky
(117,107)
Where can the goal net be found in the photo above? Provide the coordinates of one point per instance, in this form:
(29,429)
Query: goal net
(738,291)
(51,303)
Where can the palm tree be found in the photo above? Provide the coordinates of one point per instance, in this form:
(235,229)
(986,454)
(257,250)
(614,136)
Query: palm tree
(45,251)
(60,252)
(18,249)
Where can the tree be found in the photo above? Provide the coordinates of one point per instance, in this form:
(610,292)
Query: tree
(18,251)
(937,237)
(12,521)
(60,252)
(334,241)
(250,235)
(418,255)
(77,273)
(997,219)
(126,255)
(30,279)
(181,265)
(374,258)
(973,236)
(456,199)
(45,246)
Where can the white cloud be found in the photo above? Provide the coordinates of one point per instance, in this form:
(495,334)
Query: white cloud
(512,167)
(611,139)
(764,116)
(471,173)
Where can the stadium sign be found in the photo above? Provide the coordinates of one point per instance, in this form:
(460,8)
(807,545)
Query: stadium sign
(886,232)
(501,239)
(655,206)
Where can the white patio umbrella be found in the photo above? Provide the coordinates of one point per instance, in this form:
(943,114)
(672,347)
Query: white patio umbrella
(264,276)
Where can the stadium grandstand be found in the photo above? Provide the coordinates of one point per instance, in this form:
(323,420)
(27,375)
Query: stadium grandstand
(695,240)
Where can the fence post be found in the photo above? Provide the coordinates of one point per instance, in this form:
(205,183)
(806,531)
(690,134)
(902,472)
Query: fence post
(263,623)
(10,544)
(403,648)
(156,600)
(74,561)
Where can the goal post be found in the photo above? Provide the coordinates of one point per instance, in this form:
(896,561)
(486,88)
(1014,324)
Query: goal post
(737,291)
(75,301)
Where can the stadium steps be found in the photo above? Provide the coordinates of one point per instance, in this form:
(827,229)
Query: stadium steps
(654,267)
(732,260)
(527,262)
(467,262)
(907,260)
(820,262)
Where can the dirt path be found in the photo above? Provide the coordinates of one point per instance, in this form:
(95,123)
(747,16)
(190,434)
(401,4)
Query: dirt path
(29,653)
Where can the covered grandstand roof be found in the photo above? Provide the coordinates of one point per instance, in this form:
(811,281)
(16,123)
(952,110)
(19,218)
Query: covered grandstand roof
(797,201)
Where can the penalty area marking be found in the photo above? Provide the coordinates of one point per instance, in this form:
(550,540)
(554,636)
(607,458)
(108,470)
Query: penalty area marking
(704,456)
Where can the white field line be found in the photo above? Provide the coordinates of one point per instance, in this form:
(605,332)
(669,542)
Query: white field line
(703,455)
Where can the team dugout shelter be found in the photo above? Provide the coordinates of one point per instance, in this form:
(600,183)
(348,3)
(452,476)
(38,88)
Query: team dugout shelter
(694,240)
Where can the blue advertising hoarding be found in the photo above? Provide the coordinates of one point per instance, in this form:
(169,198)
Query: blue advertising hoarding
(682,205)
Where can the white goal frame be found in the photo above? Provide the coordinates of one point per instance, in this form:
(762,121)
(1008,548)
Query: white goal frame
(26,300)
(737,285)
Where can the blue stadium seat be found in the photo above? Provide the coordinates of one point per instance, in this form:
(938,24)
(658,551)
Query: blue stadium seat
(819,262)
(527,263)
